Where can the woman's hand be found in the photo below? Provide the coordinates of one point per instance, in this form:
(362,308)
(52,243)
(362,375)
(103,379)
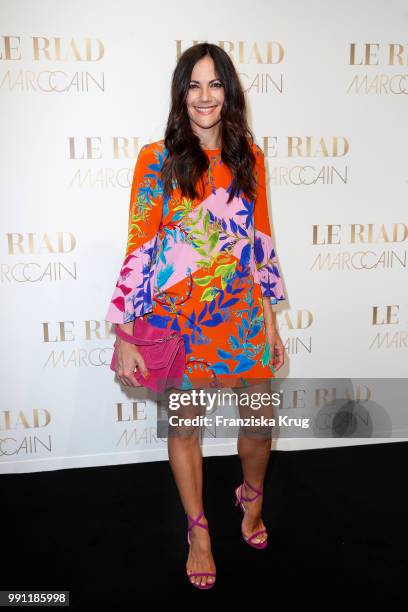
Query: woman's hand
(276,346)
(272,335)
(128,358)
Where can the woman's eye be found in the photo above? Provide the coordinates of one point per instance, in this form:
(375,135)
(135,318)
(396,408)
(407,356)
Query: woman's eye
(192,85)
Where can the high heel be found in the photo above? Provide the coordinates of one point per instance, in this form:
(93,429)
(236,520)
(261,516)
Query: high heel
(190,527)
(239,500)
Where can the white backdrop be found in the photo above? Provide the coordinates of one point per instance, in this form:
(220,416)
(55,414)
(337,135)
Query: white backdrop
(83,85)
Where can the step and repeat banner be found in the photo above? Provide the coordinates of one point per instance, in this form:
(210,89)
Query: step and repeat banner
(83,86)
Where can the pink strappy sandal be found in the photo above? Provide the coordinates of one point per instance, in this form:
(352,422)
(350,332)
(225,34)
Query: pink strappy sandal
(239,500)
(194,524)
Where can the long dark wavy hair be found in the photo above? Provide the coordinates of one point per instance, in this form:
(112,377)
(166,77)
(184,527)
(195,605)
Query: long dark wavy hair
(186,161)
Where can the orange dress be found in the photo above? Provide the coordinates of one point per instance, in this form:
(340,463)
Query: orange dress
(201,267)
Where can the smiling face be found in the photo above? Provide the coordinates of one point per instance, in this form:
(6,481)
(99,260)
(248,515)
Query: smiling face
(205,97)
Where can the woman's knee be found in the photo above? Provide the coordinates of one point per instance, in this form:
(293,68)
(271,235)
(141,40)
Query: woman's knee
(184,422)
(188,435)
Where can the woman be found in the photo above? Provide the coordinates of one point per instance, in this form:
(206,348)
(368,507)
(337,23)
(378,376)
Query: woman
(200,260)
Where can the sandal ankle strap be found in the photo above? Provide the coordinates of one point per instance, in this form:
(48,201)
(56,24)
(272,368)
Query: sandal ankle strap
(195,521)
(258,492)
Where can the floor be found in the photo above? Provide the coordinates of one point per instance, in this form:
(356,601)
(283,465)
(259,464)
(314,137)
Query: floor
(337,522)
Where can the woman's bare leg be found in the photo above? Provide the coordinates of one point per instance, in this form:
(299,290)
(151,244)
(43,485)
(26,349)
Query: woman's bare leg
(185,459)
(254,446)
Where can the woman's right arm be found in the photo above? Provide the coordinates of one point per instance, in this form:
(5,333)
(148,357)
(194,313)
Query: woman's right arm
(132,296)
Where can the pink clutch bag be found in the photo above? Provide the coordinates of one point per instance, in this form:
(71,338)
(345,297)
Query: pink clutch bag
(163,353)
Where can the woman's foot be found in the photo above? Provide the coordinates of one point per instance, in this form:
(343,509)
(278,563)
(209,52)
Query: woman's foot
(200,557)
(252,521)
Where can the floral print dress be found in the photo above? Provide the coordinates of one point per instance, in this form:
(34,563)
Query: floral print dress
(201,267)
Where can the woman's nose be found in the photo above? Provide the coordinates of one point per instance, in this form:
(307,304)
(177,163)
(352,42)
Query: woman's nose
(205,94)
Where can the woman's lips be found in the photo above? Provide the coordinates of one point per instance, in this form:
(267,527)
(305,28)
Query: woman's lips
(204,110)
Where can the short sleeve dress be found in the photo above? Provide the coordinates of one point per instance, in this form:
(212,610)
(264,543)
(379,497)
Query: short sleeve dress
(201,267)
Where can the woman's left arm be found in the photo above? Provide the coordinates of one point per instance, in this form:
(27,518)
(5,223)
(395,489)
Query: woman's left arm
(267,272)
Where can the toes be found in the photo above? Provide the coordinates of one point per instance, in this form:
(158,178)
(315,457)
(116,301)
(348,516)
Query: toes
(199,580)
(202,580)
(258,539)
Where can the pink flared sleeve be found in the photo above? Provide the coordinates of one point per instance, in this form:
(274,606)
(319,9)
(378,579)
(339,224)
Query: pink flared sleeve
(267,268)
(132,296)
